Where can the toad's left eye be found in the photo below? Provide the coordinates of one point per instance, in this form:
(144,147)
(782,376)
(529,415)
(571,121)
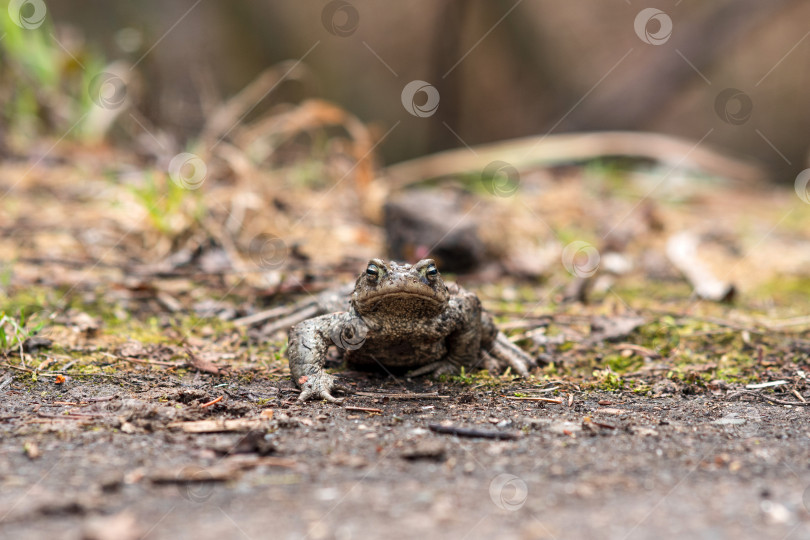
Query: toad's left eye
(432,271)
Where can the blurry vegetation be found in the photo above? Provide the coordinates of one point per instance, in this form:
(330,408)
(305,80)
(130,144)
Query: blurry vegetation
(17,325)
(44,80)
(170,207)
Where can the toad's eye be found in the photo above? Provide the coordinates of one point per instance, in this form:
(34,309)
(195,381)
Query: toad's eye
(372,270)
(432,271)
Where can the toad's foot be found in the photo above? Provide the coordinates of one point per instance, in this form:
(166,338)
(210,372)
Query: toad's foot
(503,353)
(319,386)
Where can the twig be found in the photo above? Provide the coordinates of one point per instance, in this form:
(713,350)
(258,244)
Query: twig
(29,370)
(785,323)
(524,324)
(470,432)
(767,398)
(602,424)
(289,320)
(429,395)
(262,316)
(798,395)
(363,409)
(543,399)
(53,418)
(765,385)
(682,252)
(155,362)
(639,349)
(213,401)
(63,416)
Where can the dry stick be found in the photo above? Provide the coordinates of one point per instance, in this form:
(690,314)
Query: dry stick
(767,398)
(539,390)
(155,362)
(469,432)
(637,348)
(682,252)
(29,370)
(63,416)
(267,314)
(545,150)
(429,395)
(545,400)
(363,409)
(54,418)
(286,322)
(217,400)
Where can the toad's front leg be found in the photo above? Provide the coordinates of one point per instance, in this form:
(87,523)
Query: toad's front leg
(309,342)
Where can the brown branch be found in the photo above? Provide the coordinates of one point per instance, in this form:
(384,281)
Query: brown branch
(363,409)
(545,400)
(429,395)
(471,432)
(767,398)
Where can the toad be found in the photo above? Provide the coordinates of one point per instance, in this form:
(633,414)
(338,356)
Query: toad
(400,317)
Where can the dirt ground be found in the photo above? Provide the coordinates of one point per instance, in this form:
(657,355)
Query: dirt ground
(153,413)
(609,465)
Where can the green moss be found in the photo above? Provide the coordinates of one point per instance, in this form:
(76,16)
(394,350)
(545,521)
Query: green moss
(619,363)
(608,381)
(791,291)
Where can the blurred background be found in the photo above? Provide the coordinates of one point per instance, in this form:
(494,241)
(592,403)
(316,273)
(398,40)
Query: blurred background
(503,69)
(285,140)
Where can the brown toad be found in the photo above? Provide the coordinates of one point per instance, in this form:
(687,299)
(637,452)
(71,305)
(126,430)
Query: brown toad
(401,316)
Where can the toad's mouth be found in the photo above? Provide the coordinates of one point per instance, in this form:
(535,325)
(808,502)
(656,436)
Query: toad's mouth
(423,297)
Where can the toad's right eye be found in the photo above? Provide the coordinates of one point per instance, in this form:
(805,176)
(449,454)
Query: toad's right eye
(372,270)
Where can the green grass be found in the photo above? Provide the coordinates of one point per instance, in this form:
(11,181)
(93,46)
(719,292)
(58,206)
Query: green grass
(46,86)
(17,325)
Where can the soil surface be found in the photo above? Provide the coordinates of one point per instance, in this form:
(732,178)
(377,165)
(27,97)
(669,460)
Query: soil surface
(150,408)
(103,453)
